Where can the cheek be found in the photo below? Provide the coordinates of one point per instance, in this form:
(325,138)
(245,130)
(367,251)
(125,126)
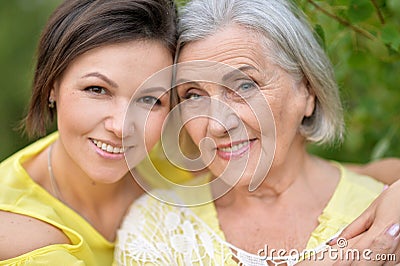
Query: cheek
(288,112)
(289,116)
(153,128)
(197,128)
(77,114)
(252,115)
(253,120)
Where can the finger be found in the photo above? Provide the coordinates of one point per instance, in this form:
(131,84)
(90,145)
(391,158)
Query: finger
(362,250)
(357,227)
(380,251)
(396,256)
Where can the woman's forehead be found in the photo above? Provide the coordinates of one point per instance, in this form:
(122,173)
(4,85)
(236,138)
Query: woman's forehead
(233,43)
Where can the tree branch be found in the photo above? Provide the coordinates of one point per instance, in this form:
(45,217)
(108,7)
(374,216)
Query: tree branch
(378,11)
(343,22)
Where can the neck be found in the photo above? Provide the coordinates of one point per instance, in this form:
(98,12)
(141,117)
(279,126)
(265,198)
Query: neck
(284,176)
(101,204)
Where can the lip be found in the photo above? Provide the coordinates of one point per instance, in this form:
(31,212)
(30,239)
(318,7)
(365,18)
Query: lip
(240,148)
(107,154)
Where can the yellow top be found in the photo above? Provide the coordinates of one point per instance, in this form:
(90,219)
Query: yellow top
(155,233)
(353,194)
(157,166)
(20,194)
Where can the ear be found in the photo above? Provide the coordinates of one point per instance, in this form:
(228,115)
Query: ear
(52,94)
(310,101)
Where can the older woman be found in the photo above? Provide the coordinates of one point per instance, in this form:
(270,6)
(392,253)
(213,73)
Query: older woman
(254,87)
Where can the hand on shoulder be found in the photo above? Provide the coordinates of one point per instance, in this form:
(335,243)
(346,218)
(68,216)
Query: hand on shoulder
(20,234)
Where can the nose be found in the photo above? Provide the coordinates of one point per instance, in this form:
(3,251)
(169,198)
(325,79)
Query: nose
(222,118)
(115,119)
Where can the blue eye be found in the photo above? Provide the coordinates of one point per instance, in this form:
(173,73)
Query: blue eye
(96,90)
(247,86)
(150,100)
(192,96)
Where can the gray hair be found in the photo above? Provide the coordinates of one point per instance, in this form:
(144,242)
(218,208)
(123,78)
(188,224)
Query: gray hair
(285,31)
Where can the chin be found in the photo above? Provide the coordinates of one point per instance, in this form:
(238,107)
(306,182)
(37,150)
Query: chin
(109,177)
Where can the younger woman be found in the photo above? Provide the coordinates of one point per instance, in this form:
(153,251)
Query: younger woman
(63,197)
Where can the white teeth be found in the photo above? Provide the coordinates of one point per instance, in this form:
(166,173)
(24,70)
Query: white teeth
(235,147)
(108,147)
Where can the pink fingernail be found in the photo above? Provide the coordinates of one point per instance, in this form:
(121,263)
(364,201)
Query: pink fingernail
(393,230)
(332,241)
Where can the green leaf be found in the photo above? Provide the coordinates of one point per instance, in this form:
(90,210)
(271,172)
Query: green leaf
(377,48)
(360,10)
(181,3)
(320,35)
(394,6)
(357,60)
(390,35)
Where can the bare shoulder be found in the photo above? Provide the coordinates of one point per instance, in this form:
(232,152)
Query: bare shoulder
(20,234)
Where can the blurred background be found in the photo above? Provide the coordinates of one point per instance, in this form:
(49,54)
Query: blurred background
(21,22)
(362,38)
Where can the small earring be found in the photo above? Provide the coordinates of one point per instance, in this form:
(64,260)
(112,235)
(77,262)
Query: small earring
(51,103)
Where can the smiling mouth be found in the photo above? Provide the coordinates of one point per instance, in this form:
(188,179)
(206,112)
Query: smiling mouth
(107,147)
(235,150)
(235,147)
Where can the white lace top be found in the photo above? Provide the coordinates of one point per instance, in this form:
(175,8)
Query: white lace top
(177,236)
(156,233)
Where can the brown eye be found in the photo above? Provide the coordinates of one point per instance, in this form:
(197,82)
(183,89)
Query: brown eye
(96,90)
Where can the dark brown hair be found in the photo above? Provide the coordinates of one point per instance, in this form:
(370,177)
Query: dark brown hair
(77,26)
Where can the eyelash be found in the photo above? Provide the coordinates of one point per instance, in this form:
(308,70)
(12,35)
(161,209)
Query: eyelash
(145,98)
(248,82)
(190,92)
(92,89)
(188,96)
(103,91)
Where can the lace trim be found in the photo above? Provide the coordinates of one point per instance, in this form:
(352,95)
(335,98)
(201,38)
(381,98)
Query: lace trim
(161,234)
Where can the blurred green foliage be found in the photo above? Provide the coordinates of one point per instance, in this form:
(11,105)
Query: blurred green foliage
(362,38)
(21,22)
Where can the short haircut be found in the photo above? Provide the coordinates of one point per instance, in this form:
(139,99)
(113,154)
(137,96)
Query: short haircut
(291,43)
(78,26)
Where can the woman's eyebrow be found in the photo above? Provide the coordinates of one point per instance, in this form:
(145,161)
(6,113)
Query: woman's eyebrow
(185,81)
(227,76)
(102,77)
(237,72)
(152,89)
